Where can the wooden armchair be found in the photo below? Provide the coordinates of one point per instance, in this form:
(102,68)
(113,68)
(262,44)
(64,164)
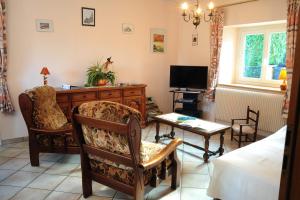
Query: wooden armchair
(112,153)
(48,128)
(246,130)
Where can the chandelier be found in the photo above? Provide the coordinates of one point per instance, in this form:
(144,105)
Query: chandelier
(196,13)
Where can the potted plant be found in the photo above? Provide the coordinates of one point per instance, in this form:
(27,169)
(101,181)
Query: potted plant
(99,75)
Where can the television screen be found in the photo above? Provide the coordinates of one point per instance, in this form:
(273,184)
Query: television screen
(188,76)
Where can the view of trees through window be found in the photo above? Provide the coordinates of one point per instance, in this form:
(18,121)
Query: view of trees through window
(254,51)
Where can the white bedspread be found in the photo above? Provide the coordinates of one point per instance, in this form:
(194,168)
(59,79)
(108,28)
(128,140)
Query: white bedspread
(250,173)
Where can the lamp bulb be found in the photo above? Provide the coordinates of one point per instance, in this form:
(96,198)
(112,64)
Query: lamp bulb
(211,5)
(198,11)
(184,6)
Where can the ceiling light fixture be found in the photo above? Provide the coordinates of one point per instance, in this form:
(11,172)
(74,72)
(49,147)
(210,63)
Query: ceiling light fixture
(196,13)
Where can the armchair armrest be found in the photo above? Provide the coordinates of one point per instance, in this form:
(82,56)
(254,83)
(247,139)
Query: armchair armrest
(46,131)
(247,125)
(162,155)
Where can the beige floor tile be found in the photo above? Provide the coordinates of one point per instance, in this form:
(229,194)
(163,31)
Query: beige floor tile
(102,190)
(122,196)
(21,145)
(20,179)
(192,157)
(14,164)
(195,167)
(62,196)
(4,159)
(95,198)
(6,192)
(62,168)
(164,192)
(75,159)
(194,194)
(24,154)
(70,184)
(77,172)
(31,194)
(47,181)
(4,173)
(44,165)
(195,181)
(51,157)
(11,152)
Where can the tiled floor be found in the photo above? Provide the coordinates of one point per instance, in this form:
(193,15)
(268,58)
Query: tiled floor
(59,176)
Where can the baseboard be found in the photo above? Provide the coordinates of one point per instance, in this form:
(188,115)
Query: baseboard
(14,140)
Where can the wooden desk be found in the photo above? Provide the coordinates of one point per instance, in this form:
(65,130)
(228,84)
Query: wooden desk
(132,95)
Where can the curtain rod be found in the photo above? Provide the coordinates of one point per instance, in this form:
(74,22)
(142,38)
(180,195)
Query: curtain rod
(237,3)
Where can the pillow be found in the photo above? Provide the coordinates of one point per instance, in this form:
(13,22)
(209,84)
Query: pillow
(46,112)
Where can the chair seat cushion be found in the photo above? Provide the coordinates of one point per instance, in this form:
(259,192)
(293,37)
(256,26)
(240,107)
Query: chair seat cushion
(124,173)
(245,129)
(46,112)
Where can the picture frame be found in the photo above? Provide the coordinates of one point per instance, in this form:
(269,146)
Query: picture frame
(44,25)
(127,28)
(88,16)
(195,39)
(158,39)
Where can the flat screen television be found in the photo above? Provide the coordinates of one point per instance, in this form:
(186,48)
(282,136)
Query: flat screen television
(194,77)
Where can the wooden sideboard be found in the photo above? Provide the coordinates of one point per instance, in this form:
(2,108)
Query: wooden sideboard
(131,95)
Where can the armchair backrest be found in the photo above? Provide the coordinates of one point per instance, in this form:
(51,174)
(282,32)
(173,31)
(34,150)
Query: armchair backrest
(252,117)
(108,130)
(40,109)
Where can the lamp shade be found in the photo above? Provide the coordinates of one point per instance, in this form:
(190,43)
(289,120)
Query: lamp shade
(282,75)
(45,71)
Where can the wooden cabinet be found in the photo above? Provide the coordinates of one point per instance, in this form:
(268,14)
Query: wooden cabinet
(133,96)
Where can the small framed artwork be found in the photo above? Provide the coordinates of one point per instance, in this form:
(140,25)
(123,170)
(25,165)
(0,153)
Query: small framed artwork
(44,25)
(195,39)
(158,40)
(127,28)
(88,16)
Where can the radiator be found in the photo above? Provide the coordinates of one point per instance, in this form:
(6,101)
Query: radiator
(232,103)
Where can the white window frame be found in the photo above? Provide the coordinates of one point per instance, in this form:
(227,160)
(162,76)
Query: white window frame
(267,30)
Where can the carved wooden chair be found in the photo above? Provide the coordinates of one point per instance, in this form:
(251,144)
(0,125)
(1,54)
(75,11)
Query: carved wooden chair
(112,153)
(48,128)
(246,131)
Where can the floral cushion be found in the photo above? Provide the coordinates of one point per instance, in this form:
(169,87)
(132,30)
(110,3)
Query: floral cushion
(123,173)
(56,140)
(46,112)
(109,111)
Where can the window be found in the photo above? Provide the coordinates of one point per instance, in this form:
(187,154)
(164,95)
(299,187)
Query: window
(261,55)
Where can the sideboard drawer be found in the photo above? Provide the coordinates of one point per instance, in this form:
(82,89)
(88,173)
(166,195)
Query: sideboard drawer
(110,94)
(61,98)
(132,92)
(87,96)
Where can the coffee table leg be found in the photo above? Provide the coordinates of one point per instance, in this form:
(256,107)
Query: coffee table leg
(172,133)
(205,155)
(221,149)
(157,132)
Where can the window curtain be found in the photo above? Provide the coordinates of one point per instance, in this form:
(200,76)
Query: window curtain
(216,34)
(292,28)
(5,102)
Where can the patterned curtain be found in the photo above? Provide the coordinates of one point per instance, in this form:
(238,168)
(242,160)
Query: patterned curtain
(5,102)
(292,28)
(216,34)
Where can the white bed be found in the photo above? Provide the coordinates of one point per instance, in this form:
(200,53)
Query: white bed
(250,173)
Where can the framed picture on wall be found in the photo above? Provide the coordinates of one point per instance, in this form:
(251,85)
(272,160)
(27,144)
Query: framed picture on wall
(44,25)
(127,28)
(158,40)
(88,16)
(195,39)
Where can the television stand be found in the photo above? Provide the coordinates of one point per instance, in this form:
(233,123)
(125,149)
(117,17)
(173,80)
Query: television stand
(189,101)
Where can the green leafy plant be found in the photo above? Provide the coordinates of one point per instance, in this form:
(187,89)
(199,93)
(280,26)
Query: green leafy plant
(98,72)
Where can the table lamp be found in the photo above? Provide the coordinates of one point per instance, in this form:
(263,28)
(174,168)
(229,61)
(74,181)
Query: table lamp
(45,72)
(282,76)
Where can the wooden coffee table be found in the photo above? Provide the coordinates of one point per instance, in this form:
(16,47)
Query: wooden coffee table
(194,125)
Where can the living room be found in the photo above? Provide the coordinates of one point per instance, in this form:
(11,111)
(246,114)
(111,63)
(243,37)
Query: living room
(123,31)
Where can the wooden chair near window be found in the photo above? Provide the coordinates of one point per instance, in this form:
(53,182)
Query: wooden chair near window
(48,128)
(246,131)
(112,153)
